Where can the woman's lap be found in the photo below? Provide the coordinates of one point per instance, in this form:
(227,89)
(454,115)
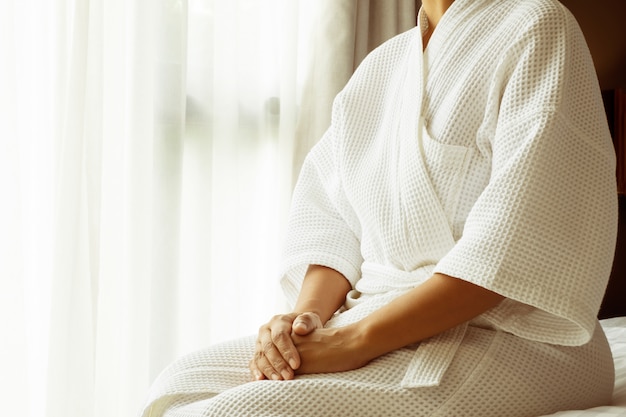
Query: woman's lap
(493,373)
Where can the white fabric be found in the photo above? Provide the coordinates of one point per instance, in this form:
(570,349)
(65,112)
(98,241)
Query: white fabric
(494,374)
(141,141)
(615,330)
(490,161)
(510,184)
(184,387)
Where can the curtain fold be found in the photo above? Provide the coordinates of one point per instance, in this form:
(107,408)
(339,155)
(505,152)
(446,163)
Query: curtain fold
(26,189)
(117,178)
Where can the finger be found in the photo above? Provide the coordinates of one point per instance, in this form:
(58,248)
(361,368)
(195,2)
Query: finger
(282,352)
(277,352)
(271,364)
(301,327)
(257,375)
(305,323)
(268,358)
(261,366)
(280,333)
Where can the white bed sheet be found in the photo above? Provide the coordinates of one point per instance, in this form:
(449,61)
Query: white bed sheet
(615,330)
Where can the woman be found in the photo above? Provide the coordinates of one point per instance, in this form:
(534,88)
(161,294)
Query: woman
(450,238)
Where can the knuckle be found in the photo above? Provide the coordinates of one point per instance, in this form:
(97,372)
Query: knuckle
(265,366)
(266,346)
(261,363)
(278,364)
(278,317)
(279,337)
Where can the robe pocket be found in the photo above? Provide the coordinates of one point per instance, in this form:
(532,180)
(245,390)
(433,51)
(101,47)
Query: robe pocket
(447,167)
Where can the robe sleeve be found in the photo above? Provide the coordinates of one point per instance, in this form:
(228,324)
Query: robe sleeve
(543,231)
(322,228)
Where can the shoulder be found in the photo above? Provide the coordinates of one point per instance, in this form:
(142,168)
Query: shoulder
(378,66)
(394,46)
(536,33)
(539,14)
(366,95)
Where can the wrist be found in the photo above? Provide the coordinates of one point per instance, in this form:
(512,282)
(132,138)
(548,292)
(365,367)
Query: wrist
(299,311)
(323,291)
(358,341)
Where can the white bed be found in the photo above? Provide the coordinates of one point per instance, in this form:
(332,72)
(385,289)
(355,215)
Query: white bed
(615,329)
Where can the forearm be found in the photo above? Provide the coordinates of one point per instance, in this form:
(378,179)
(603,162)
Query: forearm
(439,304)
(323,292)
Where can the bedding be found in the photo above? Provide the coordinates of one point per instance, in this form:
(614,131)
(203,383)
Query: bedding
(615,329)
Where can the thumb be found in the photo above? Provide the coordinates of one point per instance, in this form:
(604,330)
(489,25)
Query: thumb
(305,323)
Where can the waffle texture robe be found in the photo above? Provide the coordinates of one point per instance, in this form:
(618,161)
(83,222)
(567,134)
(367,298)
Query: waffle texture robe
(486,157)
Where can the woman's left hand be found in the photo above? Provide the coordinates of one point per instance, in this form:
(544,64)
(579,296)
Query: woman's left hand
(330,350)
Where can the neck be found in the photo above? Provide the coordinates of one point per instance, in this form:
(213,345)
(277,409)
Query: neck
(434,10)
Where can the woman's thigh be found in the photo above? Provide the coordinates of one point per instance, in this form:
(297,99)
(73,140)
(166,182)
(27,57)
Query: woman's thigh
(519,377)
(374,390)
(201,375)
(493,374)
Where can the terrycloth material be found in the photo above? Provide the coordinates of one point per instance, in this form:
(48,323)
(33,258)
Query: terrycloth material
(487,158)
(494,374)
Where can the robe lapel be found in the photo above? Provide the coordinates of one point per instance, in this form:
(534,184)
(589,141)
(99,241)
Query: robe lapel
(427,224)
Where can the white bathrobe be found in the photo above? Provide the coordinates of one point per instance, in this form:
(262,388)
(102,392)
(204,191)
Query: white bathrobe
(486,157)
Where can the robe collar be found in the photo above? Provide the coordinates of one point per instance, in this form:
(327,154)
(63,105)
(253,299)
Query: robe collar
(447,31)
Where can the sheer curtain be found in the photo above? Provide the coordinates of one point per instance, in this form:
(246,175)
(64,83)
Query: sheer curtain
(145,166)
(147,151)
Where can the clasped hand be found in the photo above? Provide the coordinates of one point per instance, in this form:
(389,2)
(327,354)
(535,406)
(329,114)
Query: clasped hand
(298,343)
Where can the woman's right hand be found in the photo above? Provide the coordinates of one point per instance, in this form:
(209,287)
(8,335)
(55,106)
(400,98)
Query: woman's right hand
(276,356)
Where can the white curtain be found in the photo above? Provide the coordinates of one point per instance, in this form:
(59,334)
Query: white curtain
(145,174)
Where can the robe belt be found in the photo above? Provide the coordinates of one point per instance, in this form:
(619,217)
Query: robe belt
(432,358)
(434,355)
